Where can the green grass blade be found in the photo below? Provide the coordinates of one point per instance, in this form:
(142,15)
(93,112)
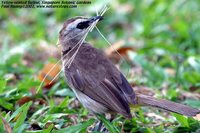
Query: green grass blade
(77,128)
(111,128)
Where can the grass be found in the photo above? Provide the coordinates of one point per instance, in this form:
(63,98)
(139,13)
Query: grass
(165,39)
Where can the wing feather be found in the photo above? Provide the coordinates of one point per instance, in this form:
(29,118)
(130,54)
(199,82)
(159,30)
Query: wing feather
(105,92)
(95,76)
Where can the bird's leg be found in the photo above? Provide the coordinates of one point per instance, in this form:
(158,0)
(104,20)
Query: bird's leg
(98,126)
(112,117)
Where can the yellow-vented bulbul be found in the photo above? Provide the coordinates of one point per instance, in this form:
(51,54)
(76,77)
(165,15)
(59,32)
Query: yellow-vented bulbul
(95,80)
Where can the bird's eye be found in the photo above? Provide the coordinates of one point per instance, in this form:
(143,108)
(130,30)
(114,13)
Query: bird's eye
(83,25)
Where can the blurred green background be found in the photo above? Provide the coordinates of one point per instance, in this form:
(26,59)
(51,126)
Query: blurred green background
(165,59)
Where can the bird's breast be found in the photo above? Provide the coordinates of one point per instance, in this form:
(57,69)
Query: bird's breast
(89,103)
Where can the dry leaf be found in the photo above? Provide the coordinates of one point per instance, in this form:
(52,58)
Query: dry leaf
(118,48)
(40,101)
(194,88)
(24,100)
(114,47)
(124,50)
(50,74)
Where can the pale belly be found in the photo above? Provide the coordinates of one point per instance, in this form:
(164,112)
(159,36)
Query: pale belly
(89,103)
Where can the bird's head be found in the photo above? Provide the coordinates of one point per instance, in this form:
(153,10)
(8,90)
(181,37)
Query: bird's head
(75,29)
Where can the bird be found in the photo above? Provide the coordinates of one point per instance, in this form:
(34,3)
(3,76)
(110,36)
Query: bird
(96,81)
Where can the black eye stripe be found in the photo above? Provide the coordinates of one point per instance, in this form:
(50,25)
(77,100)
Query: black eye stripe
(83,25)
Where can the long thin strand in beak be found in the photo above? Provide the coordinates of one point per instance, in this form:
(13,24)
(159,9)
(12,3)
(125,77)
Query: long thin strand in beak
(73,56)
(81,41)
(40,86)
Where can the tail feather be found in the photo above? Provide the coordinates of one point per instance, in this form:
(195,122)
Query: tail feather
(167,105)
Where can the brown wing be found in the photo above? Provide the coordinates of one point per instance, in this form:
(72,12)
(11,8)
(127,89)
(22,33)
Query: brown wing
(103,91)
(94,75)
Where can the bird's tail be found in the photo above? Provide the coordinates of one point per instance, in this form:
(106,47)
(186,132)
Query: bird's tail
(166,105)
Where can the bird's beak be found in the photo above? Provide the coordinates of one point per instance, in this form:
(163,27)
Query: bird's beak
(94,19)
(88,22)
